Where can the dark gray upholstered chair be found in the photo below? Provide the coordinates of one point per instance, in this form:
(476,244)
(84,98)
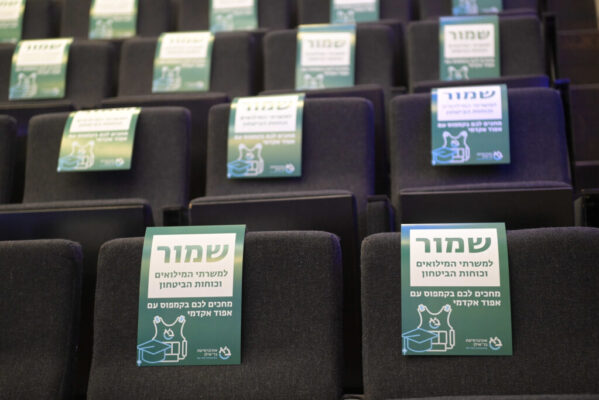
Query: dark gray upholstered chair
(194,15)
(233,73)
(432,9)
(153,18)
(585,137)
(8,134)
(553,282)
(319,11)
(578,56)
(41,294)
(37,20)
(571,16)
(533,191)
(521,47)
(291,326)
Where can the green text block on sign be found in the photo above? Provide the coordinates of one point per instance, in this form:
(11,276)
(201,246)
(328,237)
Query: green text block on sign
(113,19)
(183,62)
(455,293)
(470,125)
(98,140)
(352,11)
(39,69)
(475,7)
(469,48)
(11,20)
(265,137)
(190,296)
(233,15)
(325,56)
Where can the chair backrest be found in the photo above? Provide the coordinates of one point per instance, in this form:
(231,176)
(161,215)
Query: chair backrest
(436,8)
(579,15)
(195,14)
(8,134)
(319,12)
(553,282)
(584,117)
(277,334)
(159,167)
(337,152)
(153,18)
(235,57)
(374,58)
(538,147)
(90,76)
(38,20)
(41,293)
(520,42)
(578,56)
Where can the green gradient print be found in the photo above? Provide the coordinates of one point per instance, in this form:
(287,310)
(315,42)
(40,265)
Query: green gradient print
(233,15)
(182,62)
(11,20)
(474,7)
(352,11)
(325,56)
(190,296)
(112,19)
(98,140)
(39,69)
(455,290)
(265,137)
(470,125)
(469,48)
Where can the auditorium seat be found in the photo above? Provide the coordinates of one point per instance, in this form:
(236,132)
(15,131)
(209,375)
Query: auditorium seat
(41,295)
(585,137)
(578,56)
(319,11)
(8,133)
(553,283)
(521,45)
(534,190)
(432,9)
(291,326)
(37,20)
(573,15)
(233,73)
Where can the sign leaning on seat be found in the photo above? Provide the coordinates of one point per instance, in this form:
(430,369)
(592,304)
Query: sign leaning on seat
(352,11)
(39,69)
(190,296)
(475,7)
(11,20)
(98,140)
(112,19)
(232,15)
(469,48)
(455,293)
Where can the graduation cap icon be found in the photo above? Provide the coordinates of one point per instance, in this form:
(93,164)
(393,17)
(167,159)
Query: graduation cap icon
(418,340)
(152,352)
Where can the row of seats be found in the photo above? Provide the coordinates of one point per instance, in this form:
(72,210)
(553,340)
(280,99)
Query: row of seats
(550,317)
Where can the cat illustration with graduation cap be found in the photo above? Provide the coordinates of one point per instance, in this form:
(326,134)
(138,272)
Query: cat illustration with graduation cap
(249,162)
(81,157)
(455,149)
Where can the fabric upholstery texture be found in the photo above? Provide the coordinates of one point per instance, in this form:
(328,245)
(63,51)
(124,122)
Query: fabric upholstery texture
(581,15)
(288,351)
(37,20)
(41,289)
(578,56)
(553,282)
(8,132)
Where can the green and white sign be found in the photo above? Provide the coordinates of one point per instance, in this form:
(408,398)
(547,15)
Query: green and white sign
(325,56)
(39,69)
(190,296)
(469,48)
(112,19)
(265,137)
(474,7)
(455,290)
(352,11)
(11,20)
(182,62)
(233,15)
(98,140)
(470,125)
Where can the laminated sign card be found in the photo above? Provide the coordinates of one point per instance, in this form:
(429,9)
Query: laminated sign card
(190,296)
(98,140)
(39,69)
(182,62)
(112,19)
(265,137)
(352,11)
(232,15)
(470,125)
(11,20)
(455,293)
(325,56)
(474,7)
(469,48)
